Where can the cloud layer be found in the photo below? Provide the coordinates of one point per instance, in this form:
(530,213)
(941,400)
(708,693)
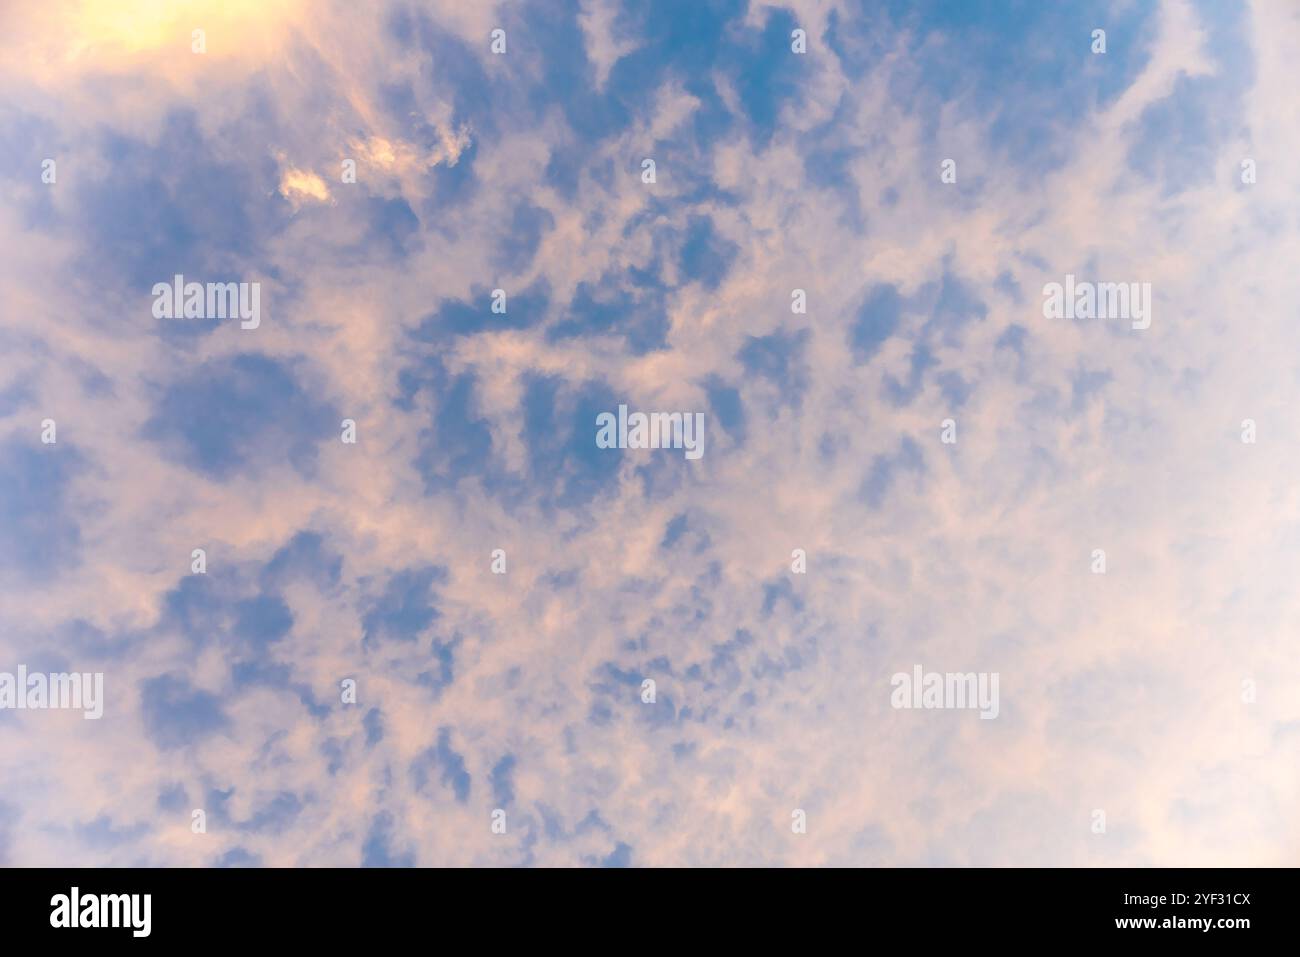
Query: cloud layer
(1163,692)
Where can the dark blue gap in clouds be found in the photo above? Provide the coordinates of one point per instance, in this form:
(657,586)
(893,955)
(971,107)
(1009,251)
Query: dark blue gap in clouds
(451,68)
(726,408)
(632,303)
(262,620)
(245,613)
(102,833)
(407,607)
(951,303)
(304,557)
(275,815)
(877,319)
(241,414)
(501,779)
(459,444)
(780,592)
(374,725)
(261,672)
(176,714)
(392,230)
(517,248)
(1180,138)
(238,857)
(377,849)
(40,535)
(676,528)
(1022,67)
(780,359)
(826,165)
(885,470)
(456,317)
(679,41)
(621,856)
(946,306)
(447,762)
(272,813)
(173,799)
(564,463)
(621,693)
(706,256)
(202,607)
(183,204)
(456,444)
(443,674)
(900,393)
(557,424)
(17,395)
(689,41)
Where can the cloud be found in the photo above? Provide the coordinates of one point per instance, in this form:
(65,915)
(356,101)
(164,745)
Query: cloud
(298,186)
(481,685)
(406,159)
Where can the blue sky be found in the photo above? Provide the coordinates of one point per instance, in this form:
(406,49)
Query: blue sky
(523,691)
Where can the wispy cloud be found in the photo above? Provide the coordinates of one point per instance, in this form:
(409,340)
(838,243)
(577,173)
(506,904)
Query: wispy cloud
(362,577)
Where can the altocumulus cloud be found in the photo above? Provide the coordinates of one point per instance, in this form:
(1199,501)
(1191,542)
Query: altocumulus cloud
(472,608)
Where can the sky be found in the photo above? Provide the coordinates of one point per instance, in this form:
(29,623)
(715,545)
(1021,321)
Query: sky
(430,646)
